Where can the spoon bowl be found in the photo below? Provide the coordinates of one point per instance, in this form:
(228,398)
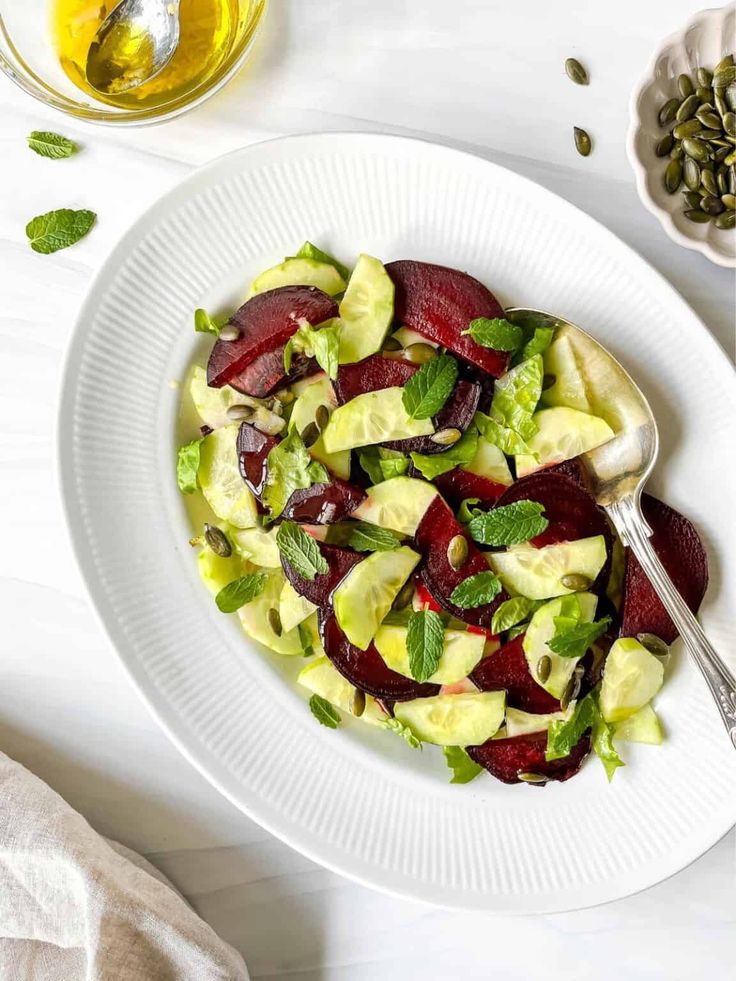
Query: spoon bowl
(134,43)
(617,472)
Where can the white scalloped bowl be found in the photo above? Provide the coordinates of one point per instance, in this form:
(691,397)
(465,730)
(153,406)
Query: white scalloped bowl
(703,42)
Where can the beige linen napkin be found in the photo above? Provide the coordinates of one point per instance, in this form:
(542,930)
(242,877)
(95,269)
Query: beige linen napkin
(75,907)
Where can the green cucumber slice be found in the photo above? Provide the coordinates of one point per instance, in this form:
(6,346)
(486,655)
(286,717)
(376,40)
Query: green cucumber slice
(304,412)
(372,417)
(322,678)
(467,719)
(294,609)
(398,504)
(366,310)
(537,572)
(641,727)
(631,678)
(220,481)
(255,620)
(542,629)
(299,272)
(461,652)
(562,434)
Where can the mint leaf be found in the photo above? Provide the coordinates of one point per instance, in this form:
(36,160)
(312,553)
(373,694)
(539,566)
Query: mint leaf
(58,229)
(187,465)
(496,333)
(429,388)
(365,537)
(370,461)
(51,145)
(434,464)
(404,731)
(463,768)
(323,344)
(287,470)
(467,509)
(204,324)
(508,525)
(240,591)
(300,550)
(603,747)
(425,639)
(310,251)
(513,611)
(562,737)
(476,590)
(324,712)
(575,641)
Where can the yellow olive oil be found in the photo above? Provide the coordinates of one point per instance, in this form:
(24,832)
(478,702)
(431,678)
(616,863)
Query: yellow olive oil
(208,30)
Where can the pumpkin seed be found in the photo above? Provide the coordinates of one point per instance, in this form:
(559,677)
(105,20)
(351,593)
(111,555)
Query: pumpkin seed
(229,333)
(240,413)
(711,205)
(691,174)
(722,181)
(705,94)
(709,135)
(729,200)
(673,176)
(654,644)
(708,180)
(420,353)
(310,434)
(569,693)
(576,581)
(730,97)
(321,417)
(668,111)
(457,552)
(709,118)
(357,705)
(719,101)
(582,141)
(391,344)
(687,109)
(696,149)
(677,153)
(576,72)
(730,160)
(531,777)
(405,596)
(446,437)
(705,78)
(664,146)
(732,180)
(274,621)
(727,220)
(689,128)
(685,85)
(699,217)
(720,154)
(729,123)
(692,198)
(218,541)
(724,75)
(544,667)
(548,380)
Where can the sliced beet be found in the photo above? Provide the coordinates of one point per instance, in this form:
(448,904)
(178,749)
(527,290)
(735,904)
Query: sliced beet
(440,303)
(456,413)
(266,322)
(253,448)
(434,533)
(324,504)
(681,552)
(457,484)
(366,669)
(266,374)
(507,670)
(574,469)
(505,759)
(319,590)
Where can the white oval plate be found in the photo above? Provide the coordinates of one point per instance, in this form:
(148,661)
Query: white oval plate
(360,801)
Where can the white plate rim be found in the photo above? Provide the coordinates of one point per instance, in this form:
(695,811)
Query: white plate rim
(154,701)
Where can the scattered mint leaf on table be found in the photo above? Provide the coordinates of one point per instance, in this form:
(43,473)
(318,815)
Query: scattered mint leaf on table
(51,145)
(429,388)
(463,768)
(187,465)
(425,639)
(58,229)
(300,550)
(324,712)
(496,333)
(476,590)
(508,525)
(240,591)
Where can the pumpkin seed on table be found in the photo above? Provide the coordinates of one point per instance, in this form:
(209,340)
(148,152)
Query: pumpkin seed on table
(696,149)
(692,198)
(704,94)
(708,117)
(576,72)
(705,77)
(687,108)
(691,174)
(729,123)
(668,111)
(689,128)
(677,153)
(726,221)
(685,86)
(729,201)
(582,141)
(673,176)
(711,205)
(665,145)
(708,180)
(698,216)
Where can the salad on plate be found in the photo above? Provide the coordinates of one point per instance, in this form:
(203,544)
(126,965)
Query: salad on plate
(390,489)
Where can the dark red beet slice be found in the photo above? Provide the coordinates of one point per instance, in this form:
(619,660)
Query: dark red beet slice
(505,759)
(507,670)
(457,484)
(319,590)
(253,447)
(681,552)
(440,303)
(573,469)
(266,322)
(433,535)
(366,669)
(264,375)
(323,504)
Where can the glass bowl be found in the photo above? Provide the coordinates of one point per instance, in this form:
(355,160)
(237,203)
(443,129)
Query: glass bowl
(29,58)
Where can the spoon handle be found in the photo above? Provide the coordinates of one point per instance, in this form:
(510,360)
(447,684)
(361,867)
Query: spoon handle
(634,531)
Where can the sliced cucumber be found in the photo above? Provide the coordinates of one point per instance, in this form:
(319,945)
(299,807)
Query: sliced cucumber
(520,723)
(489,461)
(255,621)
(631,678)
(372,417)
(454,720)
(537,572)
(542,629)
(641,727)
(216,572)
(569,388)
(365,595)
(322,678)
(398,504)
(299,272)
(304,412)
(257,545)
(211,404)
(562,434)
(461,652)
(406,337)
(293,608)
(373,714)
(366,310)
(220,481)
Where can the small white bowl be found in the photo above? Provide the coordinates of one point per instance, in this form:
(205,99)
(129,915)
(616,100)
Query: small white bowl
(709,36)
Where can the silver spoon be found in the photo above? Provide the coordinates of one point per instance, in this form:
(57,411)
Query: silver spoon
(618,471)
(133,44)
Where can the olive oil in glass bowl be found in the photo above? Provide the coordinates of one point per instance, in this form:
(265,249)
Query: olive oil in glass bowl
(44,44)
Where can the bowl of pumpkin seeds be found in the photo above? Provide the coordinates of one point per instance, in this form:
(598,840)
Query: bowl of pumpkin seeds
(682,135)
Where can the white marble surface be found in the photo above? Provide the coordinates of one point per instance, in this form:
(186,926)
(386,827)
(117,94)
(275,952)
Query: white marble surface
(484,76)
